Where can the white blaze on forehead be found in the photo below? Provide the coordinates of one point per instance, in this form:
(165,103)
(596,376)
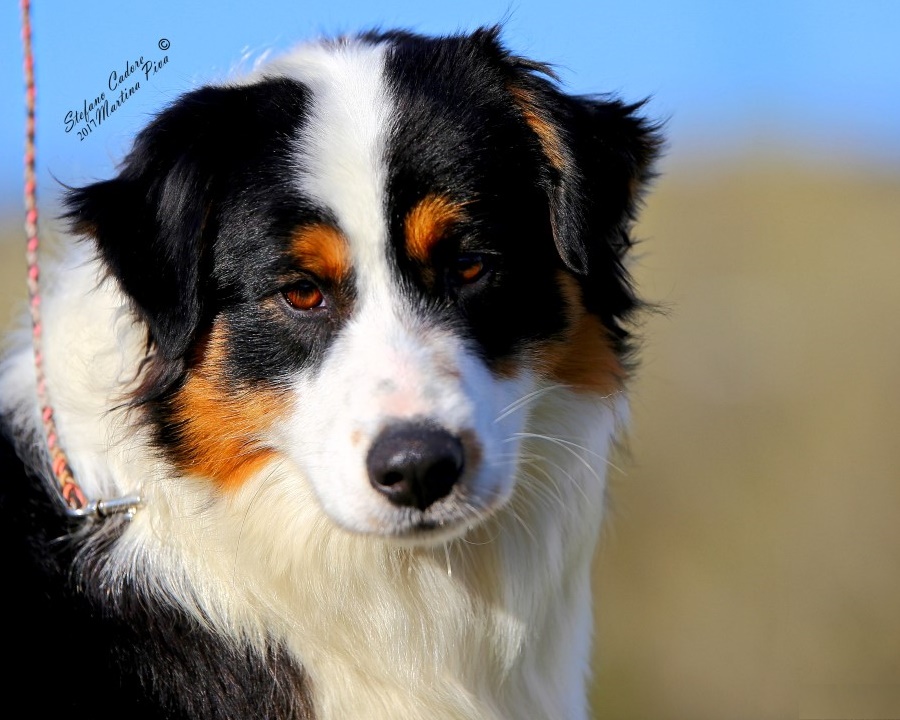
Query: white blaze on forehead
(341,147)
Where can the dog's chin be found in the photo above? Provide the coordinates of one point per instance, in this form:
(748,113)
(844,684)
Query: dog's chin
(439,524)
(429,533)
(426,536)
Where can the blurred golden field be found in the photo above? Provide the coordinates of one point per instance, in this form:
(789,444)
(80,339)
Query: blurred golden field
(750,564)
(751,568)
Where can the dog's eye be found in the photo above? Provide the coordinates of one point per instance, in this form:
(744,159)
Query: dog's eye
(469,267)
(304,296)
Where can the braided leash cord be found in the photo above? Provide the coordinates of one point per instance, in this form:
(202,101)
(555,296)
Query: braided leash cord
(71,492)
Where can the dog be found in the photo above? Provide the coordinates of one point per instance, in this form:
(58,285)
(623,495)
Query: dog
(354,333)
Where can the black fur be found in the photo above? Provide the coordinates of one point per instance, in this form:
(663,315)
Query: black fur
(74,650)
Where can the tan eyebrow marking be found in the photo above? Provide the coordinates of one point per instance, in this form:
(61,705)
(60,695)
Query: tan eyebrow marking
(323,250)
(427,222)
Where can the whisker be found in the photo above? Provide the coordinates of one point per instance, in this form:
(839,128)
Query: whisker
(475,513)
(538,500)
(548,489)
(571,478)
(525,399)
(569,445)
(447,557)
(526,526)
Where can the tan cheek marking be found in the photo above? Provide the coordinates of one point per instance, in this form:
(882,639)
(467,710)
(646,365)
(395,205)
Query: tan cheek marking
(221,425)
(322,250)
(427,223)
(585,359)
(548,135)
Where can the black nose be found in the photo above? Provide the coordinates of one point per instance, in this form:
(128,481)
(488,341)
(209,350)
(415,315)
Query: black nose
(415,464)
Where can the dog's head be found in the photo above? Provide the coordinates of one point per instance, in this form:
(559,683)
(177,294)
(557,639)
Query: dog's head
(363,257)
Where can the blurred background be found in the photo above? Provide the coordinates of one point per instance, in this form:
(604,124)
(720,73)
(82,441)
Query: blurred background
(750,564)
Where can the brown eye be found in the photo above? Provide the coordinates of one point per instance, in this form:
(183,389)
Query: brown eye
(470,266)
(304,296)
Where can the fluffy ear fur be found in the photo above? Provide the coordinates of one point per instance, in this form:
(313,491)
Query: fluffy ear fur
(149,221)
(597,191)
(598,155)
(155,224)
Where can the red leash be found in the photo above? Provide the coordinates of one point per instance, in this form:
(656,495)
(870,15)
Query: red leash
(71,492)
(75,501)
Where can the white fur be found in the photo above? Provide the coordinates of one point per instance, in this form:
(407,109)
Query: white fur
(341,150)
(495,622)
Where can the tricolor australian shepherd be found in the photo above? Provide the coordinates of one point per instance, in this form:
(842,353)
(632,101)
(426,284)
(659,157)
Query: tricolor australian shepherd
(355,330)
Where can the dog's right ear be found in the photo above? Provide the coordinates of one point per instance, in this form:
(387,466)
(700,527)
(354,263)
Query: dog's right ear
(154,224)
(148,222)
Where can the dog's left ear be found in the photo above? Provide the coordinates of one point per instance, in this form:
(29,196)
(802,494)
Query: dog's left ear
(600,153)
(597,157)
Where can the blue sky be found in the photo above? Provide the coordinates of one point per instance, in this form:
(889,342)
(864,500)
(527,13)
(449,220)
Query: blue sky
(814,77)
